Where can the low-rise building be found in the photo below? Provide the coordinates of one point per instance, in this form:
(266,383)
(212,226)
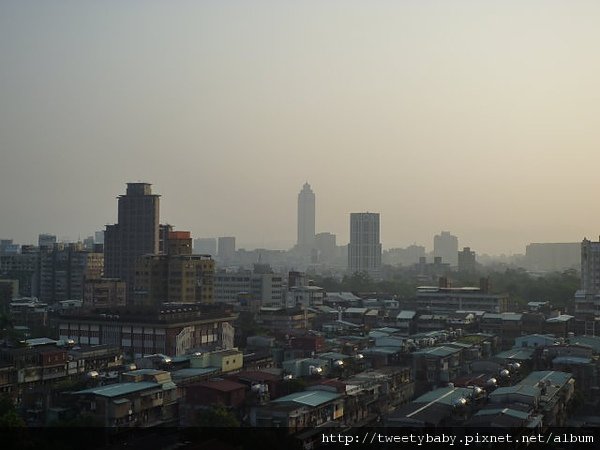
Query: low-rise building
(149,398)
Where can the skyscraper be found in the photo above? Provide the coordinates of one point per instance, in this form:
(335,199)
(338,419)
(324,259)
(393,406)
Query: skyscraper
(445,246)
(306,219)
(364,250)
(135,234)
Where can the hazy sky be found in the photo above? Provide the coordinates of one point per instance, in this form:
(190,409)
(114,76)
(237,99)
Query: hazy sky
(478,117)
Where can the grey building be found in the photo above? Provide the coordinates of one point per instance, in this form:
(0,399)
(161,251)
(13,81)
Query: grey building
(445,245)
(306,219)
(364,249)
(135,234)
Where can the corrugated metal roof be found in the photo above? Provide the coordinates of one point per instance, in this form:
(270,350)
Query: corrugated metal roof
(309,398)
(444,396)
(119,389)
(571,360)
(437,351)
(555,377)
(521,389)
(406,315)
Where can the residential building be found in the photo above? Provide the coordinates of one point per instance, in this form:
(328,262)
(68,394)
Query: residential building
(205,246)
(63,270)
(104,293)
(325,244)
(176,276)
(553,257)
(298,411)
(364,249)
(149,398)
(445,246)
(226,250)
(467,262)
(46,240)
(265,288)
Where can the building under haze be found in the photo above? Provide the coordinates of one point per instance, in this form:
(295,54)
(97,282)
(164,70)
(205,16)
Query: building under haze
(467,261)
(551,257)
(226,248)
(63,270)
(587,299)
(306,219)
(205,246)
(136,233)
(364,249)
(445,246)
(326,247)
(46,240)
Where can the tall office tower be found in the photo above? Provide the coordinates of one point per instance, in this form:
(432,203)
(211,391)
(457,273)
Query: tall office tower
(445,246)
(205,246)
(135,234)
(467,262)
(46,240)
(226,248)
(364,249)
(306,219)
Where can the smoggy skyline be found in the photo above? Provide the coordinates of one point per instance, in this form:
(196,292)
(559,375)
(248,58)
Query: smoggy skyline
(475,117)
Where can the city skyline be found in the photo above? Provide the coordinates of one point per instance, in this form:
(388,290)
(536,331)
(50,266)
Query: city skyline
(478,118)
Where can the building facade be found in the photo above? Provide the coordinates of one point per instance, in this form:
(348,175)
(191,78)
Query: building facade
(445,245)
(136,233)
(306,219)
(364,249)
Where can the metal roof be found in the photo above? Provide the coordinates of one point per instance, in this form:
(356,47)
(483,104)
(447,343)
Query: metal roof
(508,411)
(521,389)
(561,318)
(407,315)
(555,377)
(185,373)
(444,396)
(576,360)
(309,398)
(437,351)
(119,389)
(504,316)
(521,354)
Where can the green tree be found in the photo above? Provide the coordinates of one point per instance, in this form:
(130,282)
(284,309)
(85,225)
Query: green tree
(217,416)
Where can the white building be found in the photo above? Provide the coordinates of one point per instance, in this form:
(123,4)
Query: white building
(265,287)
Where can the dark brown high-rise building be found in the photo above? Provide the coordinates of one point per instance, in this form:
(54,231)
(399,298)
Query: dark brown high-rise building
(135,234)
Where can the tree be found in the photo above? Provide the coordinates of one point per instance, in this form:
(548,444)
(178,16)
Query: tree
(217,416)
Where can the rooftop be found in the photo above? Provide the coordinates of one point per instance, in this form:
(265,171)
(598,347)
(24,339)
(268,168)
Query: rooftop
(309,398)
(119,389)
(437,351)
